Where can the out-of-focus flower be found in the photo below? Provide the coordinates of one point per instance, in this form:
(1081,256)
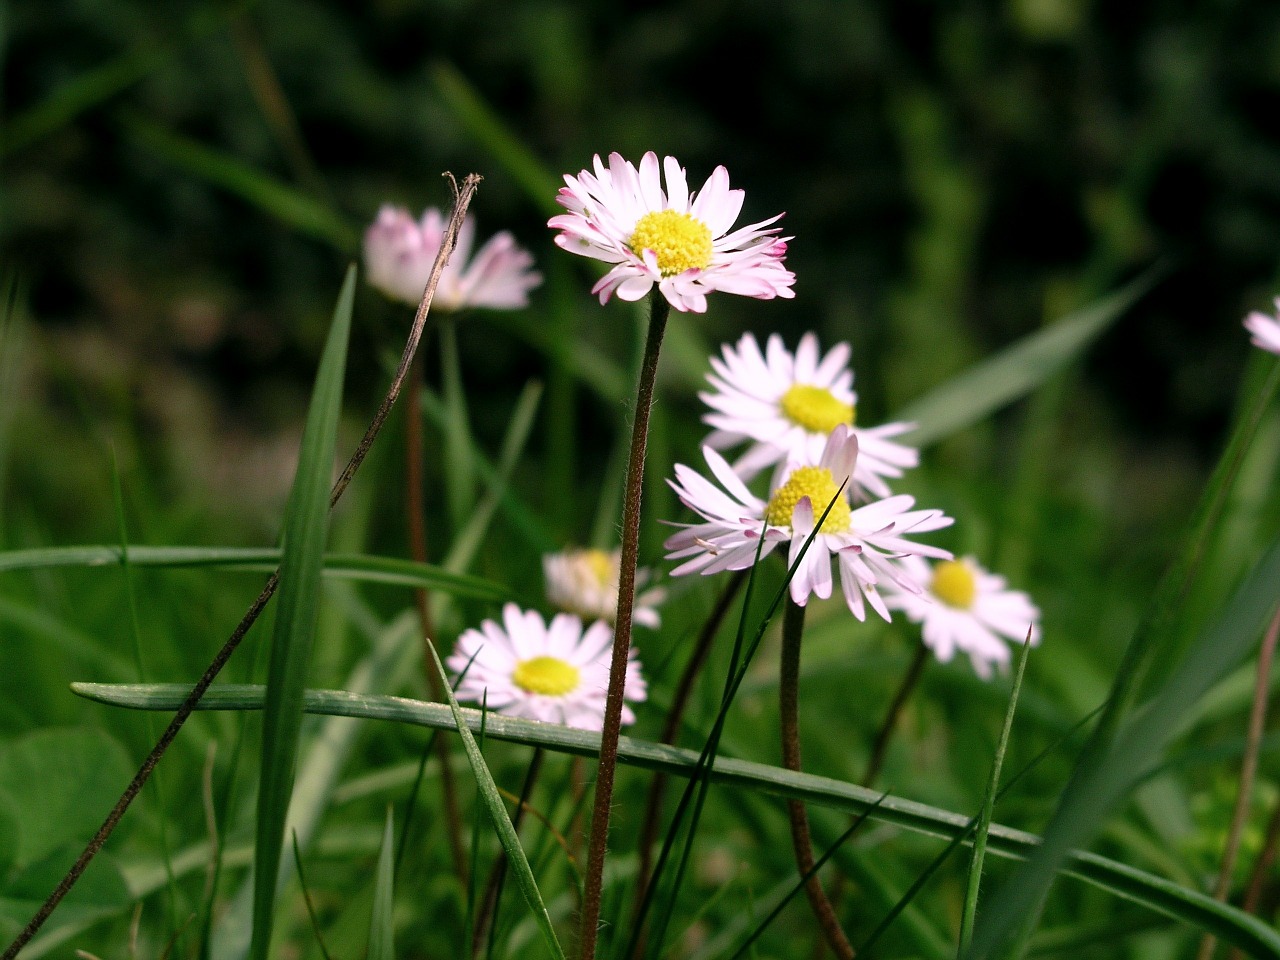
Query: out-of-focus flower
(554,672)
(400,251)
(787,405)
(676,239)
(585,582)
(1265,330)
(966,608)
(868,543)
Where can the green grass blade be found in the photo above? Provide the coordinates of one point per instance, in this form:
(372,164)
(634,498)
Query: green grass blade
(970,911)
(306,898)
(287,204)
(1129,883)
(458,468)
(381,927)
(498,814)
(1137,748)
(341,566)
(306,528)
(1016,370)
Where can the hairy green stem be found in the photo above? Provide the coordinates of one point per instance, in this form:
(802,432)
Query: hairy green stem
(599,838)
(789,710)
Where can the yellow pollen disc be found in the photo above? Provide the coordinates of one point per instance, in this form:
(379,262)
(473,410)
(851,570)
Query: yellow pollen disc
(601,565)
(814,408)
(819,486)
(953,584)
(549,676)
(678,240)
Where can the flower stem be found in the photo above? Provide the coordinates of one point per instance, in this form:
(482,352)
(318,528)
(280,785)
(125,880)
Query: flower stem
(415,514)
(599,838)
(881,744)
(788,706)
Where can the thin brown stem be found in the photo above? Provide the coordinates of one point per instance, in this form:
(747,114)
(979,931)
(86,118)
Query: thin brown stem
(679,702)
(1262,870)
(415,514)
(789,710)
(1248,770)
(881,745)
(607,765)
(462,198)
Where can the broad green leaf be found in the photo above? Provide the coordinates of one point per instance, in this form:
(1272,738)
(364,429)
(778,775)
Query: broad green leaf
(497,809)
(381,925)
(1129,883)
(306,528)
(1017,370)
(287,204)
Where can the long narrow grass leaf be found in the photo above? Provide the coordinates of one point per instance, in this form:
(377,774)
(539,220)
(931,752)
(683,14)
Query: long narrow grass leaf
(1121,880)
(306,527)
(306,897)
(498,815)
(381,923)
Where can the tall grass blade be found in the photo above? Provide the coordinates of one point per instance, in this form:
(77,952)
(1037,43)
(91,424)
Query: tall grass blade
(459,471)
(988,806)
(306,527)
(498,815)
(1017,370)
(1129,883)
(381,924)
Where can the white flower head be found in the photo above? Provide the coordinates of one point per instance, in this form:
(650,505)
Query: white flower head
(677,239)
(585,582)
(787,405)
(868,543)
(965,608)
(553,672)
(400,251)
(1265,330)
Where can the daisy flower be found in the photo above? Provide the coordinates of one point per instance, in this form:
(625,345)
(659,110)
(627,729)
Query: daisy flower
(787,405)
(399,253)
(676,239)
(966,608)
(868,543)
(552,672)
(1265,330)
(585,582)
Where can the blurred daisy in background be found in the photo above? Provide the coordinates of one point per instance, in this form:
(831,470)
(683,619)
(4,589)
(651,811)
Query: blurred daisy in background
(400,251)
(1265,330)
(585,582)
(868,543)
(557,672)
(787,405)
(674,238)
(964,608)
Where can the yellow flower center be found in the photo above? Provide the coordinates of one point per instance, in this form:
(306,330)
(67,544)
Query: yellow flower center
(678,240)
(601,565)
(819,486)
(549,676)
(953,584)
(815,409)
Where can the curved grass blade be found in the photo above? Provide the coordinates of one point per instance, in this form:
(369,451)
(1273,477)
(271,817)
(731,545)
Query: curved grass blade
(1017,370)
(498,812)
(306,527)
(381,932)
(290,206)
(1138,886)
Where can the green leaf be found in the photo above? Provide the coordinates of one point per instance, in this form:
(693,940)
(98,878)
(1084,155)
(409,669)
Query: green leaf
(381,927)
(292,207)
(498,813)
(1129,883)
(306,527)
(1017,370)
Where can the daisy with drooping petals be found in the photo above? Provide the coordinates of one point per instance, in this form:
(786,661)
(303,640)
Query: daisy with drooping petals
(966,608)
(676,239)
(868,543)
(787,405)
(1265,330)
(552,672)
(585,582)
(399,253)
